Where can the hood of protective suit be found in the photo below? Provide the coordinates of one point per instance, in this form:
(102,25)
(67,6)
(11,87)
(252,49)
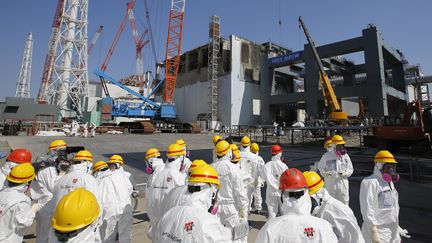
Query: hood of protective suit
(101,174)
(245,149)
(301,206)
(8,167)
(227,156)
(84,166)
(202,199)
(277,157)
(155,162)
(176,162)
(377,171)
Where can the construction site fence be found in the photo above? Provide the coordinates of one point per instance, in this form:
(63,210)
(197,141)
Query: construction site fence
(295,135)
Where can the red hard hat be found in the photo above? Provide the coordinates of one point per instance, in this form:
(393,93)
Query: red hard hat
(275,149)
(20,156)
(292,179)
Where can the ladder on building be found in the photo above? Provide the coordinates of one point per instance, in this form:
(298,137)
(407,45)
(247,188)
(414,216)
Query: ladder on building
(213,66)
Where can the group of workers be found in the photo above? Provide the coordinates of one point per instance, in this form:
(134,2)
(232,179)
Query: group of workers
(198,201)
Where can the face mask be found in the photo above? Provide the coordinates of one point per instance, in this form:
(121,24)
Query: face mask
(149,170)
(340,150)
(389,174)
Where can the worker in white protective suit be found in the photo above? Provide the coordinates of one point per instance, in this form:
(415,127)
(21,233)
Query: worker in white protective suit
(85,130)
(16,157)
(195,222)
(75,219)
(178,196)
(79,175)
(271,173)
(256,194)
(163,182)
(250,165)
(92,130)
(187,162)
(339,215)
(42,189)
(328,146)
(296,224)
(232,196)
(115,202)
(74,128)
(336,167)
(379,202)
(16,211)
(116,163)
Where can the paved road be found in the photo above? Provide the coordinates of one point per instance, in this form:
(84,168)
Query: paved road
(416,209)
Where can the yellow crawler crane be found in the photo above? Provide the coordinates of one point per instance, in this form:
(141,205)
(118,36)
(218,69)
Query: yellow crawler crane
(336,114)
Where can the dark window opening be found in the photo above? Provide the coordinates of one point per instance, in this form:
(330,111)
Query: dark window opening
(11,109)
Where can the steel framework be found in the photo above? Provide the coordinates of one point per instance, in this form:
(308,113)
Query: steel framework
(173,48)
(23,84)
(213,66)
(69,82)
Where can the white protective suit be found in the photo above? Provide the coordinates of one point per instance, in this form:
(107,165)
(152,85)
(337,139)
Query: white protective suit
(271,173)
(159,186)
(256,194)
(41,191)
(128,176)
(176,197)
(117,210)
(93,130)
(15,214)
(250,165)
(85,130)
(296,225)
(89,234)
(340,216)
(4,171)
(232,197)
(78,176)
(336,171)
(379,204)
(192,223)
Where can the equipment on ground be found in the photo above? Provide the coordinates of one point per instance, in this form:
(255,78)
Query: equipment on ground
(336,114)
(413,131)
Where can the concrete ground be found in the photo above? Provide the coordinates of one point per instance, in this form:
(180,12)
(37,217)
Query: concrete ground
(416,209)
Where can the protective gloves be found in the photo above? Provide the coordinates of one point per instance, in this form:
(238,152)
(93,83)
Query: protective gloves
(243,213)
(374,234)
(403,232)
(36,207)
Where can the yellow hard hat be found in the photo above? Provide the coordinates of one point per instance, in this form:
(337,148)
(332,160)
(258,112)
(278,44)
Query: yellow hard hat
(222,148)
(196,163)
(204,174)
(337,139)
(175,150)
(83,155)
(314,181)
(254,148)
(115,159)
(99,165)
(76,210)
(236,153)
(57,144)
(180,142)
(152,152)
(21,173)
(384,156)
(245,141)
(216,139)
(328,143)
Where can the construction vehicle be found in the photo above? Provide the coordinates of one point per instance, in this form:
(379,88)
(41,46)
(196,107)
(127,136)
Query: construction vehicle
(149,114)
(412,132)
(336,114)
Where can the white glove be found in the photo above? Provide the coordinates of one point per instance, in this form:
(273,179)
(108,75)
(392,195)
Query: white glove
(36,207)
(62,173)
(243,213)
(403,232)
(374,234)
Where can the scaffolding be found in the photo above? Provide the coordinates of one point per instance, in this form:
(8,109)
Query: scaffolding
(213,66)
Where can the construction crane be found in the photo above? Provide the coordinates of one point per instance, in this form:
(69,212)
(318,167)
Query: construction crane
(336,114)
(50,57)
(173,47)
(94,39)
(140,42)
